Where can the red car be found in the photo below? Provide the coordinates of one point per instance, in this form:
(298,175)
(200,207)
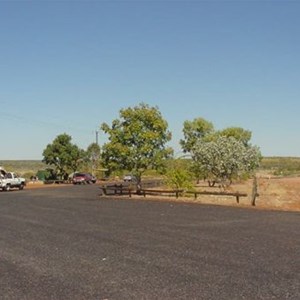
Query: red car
(83,178)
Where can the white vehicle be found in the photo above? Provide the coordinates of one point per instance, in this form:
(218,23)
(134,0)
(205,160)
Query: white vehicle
(130,178)
(9,180)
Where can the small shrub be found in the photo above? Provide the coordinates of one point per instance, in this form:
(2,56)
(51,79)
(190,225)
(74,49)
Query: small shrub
(177,178)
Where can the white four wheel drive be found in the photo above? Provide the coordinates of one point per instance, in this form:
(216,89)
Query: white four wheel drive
(9,180)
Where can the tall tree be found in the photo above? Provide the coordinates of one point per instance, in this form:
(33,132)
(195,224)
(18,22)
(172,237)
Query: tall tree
(238,133)
(93,156)
(137,140)
(63,155)
(194,131)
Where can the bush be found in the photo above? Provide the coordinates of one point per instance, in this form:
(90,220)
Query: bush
(178,178)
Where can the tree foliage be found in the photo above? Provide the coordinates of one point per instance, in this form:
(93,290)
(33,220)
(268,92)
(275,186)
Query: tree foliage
(92,156)
(225,158)
(63,155)
(137,140)
(238,133)
(194,131)
(218,155)
(178,176)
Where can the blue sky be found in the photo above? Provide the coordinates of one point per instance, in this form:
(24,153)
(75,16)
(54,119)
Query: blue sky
(68,66)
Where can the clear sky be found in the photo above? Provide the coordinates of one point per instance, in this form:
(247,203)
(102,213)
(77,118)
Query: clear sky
(68,66)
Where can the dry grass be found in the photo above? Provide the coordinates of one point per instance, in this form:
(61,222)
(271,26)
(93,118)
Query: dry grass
(274,193)
(279,193)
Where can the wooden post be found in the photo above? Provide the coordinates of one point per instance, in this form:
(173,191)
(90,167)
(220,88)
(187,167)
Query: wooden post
(237,198)
(104,190)
(254,191)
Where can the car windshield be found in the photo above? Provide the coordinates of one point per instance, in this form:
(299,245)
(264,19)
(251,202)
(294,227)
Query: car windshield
(79,175)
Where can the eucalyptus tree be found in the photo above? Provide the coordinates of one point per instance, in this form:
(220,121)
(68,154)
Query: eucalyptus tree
(195,131)
(238,133)
(92,156)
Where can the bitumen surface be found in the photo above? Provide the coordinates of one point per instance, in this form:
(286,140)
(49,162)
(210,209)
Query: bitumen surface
(70,243)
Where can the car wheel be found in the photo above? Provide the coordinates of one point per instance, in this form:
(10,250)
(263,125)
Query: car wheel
(21,187)
(7,187)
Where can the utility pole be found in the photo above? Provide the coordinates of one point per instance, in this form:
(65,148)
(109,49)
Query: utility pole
(97,133)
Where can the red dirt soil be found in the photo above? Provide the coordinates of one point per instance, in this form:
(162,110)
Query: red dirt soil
(274,193)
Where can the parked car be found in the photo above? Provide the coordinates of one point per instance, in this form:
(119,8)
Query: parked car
(83,178)
(130,178)
(10,180)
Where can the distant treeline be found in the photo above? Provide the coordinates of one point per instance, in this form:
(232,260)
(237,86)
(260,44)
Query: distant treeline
(23,167)
(281,165)
(278,165)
